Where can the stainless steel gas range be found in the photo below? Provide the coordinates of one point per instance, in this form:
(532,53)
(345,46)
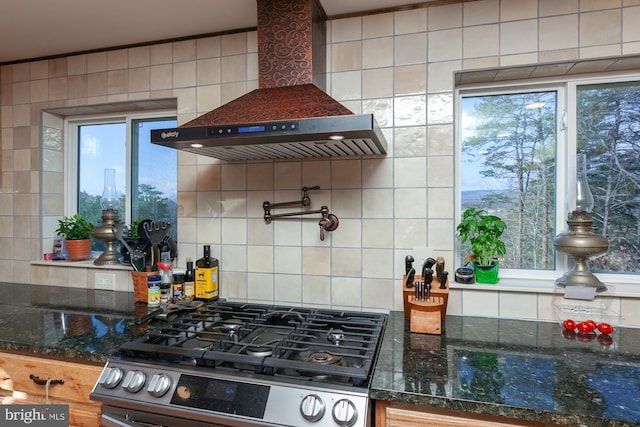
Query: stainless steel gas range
(235,364)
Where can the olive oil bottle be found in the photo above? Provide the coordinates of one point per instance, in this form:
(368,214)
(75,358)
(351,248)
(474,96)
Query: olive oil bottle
(206,280)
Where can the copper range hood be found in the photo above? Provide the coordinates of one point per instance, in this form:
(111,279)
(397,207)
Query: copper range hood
(289,115)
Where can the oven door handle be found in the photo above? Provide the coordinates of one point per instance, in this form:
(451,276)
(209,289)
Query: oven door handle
(116,421)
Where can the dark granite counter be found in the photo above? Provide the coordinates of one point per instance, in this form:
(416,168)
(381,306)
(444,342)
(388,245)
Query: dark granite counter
(517,369)
(68,323)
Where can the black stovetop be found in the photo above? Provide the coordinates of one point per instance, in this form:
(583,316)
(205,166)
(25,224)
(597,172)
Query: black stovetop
(303,343)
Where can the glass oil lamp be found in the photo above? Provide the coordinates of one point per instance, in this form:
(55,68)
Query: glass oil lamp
(579,242)
(107,231)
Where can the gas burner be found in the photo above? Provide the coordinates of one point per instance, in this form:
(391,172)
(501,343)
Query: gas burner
(230,326)
(335,336)
(197,344)
(259,351)
(324,358)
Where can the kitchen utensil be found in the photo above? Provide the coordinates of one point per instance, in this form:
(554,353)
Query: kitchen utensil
(443,280)
(134,255)
(408,263)
(155,231)
(411,275)
(172,309)
(151,315)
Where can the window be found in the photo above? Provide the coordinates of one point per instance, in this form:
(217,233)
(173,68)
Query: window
(518,150)
(146,174)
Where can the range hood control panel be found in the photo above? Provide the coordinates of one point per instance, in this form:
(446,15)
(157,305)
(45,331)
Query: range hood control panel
(261,128)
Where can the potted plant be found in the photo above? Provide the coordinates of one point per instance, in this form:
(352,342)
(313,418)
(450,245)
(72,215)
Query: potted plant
(483,231)
(76,231)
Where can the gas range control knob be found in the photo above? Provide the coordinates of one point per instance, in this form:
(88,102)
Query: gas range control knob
(345,413)
(134,381)
(312,408)
(111,377)
(159,385)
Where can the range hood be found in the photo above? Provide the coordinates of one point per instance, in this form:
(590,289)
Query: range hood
(289,115)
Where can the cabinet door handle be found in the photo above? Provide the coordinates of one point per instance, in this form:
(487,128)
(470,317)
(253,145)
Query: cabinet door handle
(36,379)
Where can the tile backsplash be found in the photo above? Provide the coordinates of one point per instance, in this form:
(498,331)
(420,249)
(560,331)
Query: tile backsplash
(398,66)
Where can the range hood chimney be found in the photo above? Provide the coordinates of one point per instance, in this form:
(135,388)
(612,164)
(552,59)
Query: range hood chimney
(289,115)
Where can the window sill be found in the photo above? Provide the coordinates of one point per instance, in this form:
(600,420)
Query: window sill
(542,286)
(88,263)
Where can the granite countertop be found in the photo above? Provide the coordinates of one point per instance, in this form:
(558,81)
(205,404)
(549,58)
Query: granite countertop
(67,323)
(518,369)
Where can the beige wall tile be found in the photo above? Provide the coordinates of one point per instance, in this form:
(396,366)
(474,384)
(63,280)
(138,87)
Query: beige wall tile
(233,44)
(117,59)
(346,292)
(630,27)
(346,85)
(377,233)
(347,29)
(377,83)
(410,21)
(559,32)
(287,289)
(349,234)
(207,98)
(161,77)
(287,259)
(346,56)
(233,68)
(260,287)
(161,54)
(316,290)
(208,47)
(519,37)
(480,41)
(377,203)
(184,51)
(511,10)
(588,5)
(480,303)
(96,62)
(139,56)
(410,49)
(445,45)
(208,71)
(515,305)
(447,16)
(376,52)
(441,234)
(480,12)
(554,7)
(378,25)
(117,82)
(184,74)
(600,28)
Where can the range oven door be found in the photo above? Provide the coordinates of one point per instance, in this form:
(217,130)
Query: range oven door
(119,417)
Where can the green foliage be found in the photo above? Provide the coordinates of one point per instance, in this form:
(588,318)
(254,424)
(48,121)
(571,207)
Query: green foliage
(133,229)
(74,227)
(483,231)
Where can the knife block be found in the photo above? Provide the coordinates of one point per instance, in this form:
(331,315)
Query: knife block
(425,317)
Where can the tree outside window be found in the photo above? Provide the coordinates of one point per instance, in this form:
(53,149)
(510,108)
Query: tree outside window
(509,150)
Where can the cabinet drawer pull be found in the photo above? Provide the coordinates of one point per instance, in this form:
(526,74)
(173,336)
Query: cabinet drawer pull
(39,381)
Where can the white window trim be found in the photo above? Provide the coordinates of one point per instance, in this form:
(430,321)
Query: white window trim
(619,284)
(71,125)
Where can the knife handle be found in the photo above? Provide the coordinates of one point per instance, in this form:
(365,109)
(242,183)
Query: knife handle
(410,278)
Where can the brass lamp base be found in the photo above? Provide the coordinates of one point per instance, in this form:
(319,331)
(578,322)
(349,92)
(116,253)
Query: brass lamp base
(580,243)
(106,232)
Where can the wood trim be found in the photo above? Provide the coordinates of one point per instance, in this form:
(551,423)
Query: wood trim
(397,8)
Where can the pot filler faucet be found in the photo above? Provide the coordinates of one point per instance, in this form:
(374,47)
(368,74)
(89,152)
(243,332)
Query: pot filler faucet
(328,221)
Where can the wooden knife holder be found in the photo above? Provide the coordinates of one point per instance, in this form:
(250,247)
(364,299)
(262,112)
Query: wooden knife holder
(426,316)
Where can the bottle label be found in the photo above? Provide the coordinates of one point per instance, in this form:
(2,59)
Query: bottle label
(153,295)
(189,290)
(206,283)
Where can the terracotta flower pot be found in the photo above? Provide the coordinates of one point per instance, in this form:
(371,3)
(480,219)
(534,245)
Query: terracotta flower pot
(78,250)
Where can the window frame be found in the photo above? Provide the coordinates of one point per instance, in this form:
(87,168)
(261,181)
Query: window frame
(566,126)
(72,125)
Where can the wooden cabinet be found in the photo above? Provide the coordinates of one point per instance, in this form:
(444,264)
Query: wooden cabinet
(393,414)
(18,386)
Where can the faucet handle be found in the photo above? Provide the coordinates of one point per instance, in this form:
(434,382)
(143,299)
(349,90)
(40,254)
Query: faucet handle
(328,222)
